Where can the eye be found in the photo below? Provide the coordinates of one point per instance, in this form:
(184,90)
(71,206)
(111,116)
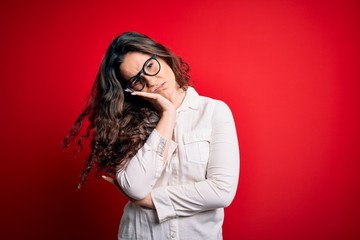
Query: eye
(149,66)
(136,82)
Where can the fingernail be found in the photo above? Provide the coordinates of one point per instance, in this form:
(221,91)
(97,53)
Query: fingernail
(128,90)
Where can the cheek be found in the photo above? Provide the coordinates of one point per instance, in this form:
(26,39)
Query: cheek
(169,74)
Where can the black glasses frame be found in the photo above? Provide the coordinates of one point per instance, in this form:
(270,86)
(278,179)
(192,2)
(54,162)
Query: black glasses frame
(138,76)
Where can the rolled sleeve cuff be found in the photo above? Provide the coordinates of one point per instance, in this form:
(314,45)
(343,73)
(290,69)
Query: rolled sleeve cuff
(164,208)
(157,142)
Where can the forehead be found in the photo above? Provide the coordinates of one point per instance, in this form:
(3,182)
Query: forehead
(132,64)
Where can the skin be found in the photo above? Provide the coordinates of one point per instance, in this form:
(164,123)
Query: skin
(164,93)
(163,83)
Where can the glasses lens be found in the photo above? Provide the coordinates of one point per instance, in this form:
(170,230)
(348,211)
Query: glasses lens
(137,83)
(152,67)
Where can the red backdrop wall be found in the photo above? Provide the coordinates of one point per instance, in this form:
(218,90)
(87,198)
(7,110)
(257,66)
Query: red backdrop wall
(289,70)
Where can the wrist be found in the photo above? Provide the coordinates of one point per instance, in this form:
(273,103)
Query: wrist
(169,113)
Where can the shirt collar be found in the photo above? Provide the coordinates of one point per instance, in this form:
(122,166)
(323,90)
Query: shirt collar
(191,100)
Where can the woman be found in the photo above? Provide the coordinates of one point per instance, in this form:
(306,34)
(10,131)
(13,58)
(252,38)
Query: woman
(173,153)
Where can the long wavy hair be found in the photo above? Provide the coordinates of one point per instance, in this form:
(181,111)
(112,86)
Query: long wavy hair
(119,123)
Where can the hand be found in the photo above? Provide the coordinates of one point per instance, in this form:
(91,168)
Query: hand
(146,202)
(117,186)
(158,101)
(165,126)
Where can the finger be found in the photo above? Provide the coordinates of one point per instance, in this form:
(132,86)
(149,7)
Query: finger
(109,179)
(146,95)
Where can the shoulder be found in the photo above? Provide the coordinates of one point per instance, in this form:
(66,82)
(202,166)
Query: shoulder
(206,103)
(216,103)
(220,111)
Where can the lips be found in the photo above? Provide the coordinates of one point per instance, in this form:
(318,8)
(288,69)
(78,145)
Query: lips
(159,87)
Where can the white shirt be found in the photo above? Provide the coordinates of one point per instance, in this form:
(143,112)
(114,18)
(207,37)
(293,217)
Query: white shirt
(198,180)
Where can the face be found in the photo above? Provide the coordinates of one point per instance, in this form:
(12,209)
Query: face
(156,79)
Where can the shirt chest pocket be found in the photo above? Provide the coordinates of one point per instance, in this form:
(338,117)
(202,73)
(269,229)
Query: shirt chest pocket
(197,145)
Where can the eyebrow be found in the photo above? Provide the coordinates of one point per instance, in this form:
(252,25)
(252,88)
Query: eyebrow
(122,74)
(138,74)
(141,69)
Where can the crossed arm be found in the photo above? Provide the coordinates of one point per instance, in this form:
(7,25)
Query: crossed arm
(216,191)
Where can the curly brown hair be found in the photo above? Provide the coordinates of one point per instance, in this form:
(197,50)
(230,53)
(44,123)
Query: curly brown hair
(120,123)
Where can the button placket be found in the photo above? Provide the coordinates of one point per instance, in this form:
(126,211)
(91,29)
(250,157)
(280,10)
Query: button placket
(174,181)
(174,231)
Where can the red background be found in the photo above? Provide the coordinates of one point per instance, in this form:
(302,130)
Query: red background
(289,70)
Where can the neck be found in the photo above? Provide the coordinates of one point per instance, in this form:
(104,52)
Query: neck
(177,97)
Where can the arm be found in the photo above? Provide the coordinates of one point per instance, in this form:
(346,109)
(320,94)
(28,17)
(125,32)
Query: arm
(218,190)
(142,171)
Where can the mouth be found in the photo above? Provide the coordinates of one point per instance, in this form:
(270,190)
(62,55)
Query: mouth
(159,87)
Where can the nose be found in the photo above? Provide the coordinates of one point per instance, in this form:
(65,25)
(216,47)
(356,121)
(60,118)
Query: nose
(151,81)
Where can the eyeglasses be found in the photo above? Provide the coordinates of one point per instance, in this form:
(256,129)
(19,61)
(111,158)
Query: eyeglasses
(150,68)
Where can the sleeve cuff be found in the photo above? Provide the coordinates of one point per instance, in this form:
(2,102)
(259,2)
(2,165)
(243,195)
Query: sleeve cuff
(164,208)
(157,142)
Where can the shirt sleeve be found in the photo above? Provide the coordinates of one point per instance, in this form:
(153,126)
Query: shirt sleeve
(142,171)
(219,188)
